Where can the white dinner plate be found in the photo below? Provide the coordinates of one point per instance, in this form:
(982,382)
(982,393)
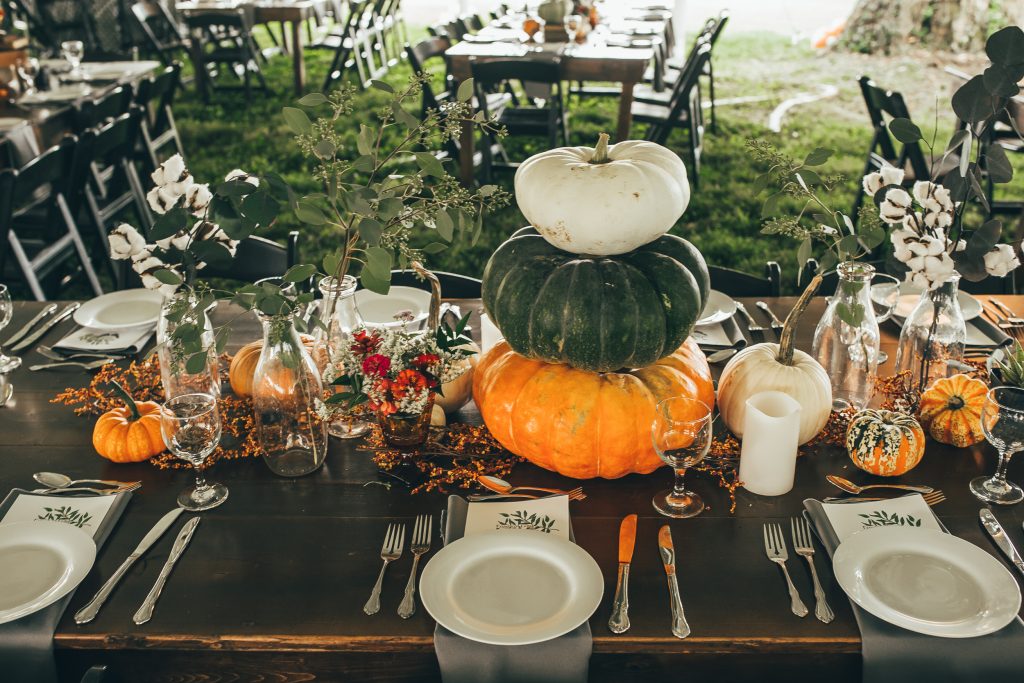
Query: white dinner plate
(61,93)
(118,310)
(511,588)
(718,307)
(400,306)
(927,581)
(969,306)
(40,562)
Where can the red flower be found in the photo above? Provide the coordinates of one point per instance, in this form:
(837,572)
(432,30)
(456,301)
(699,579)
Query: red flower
(376,364)
(408,382)
(425,360)
(364,343)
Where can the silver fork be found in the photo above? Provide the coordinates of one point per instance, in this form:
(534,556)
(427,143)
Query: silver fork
(803,546)
(421,535)
(1014,319)
(48,352)
(775,548)
(776,323)
(389,552)
(931,499)
(574,494)
(752,325)
(91,365)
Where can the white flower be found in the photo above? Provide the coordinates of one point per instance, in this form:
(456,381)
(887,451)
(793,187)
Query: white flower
(872,183)
(179,188)
(961,245)
(914,221)
(891,175)
(161,200)
(941,195)
(1000,260)
(895,206)
(926,245)
(150,282)
(172,170)
(239,174)
(125,242)
(198,197)
(147,263)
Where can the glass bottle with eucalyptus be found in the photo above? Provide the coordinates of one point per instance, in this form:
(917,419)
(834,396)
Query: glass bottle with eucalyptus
(933,336)
(183,370)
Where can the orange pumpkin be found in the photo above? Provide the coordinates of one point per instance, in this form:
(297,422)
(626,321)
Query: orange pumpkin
(129,433)
(951,410)
(884,442)
(243,365)
(578,423)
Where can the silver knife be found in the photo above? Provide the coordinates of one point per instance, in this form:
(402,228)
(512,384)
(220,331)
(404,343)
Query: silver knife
(92,608)
(146,610)
(999,537)
(50,308)
(776,323)
(680,629)
(31,339)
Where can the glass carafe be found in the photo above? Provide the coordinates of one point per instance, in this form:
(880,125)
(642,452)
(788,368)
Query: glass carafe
(340,318)
(846,339)
(933,335)
(285,389)
(180,374)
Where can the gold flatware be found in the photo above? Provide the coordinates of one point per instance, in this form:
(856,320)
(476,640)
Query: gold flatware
(850,487)
(930,499)
(574,494)
(1010,316)
(502,486)
(619,621)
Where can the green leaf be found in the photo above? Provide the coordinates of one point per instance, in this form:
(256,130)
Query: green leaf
(325,149)
(381,85)
(998,82)
(364,163)
(297,120)
(809,177)
(197,362)
(168,277)
(905,131)
(958,139)
(465,91)
(487,190)
(803,252)
(817,157)
(331,263)
(378,263)
(761,182)
(445,227)
(214,253)
(771,204)
(871,236)
(169,224)
(221,341)
(973,103)
(404,117)
(299,272)
(374,282)
(1006,46)
(261,208)
(434,248)
(984,238)
(998,166)
(364,141)
(429,164)
(849,245)
(313,99)
(309,213)
(371,230)
(851,314)
(389,208)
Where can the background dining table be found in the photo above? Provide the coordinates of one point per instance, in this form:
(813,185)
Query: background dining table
(273,583)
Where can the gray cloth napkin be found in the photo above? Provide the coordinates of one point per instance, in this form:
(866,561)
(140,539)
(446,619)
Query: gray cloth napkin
(992,332)
(26,644)
(565,659)
(894,655)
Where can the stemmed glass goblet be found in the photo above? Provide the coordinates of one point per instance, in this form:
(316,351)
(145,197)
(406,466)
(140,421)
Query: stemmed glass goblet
(7,363)
(73,51)
(191,427)
(1002,421)
(682,437)
(885,292)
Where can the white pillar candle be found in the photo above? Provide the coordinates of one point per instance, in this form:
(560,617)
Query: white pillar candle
(771,431)
(489,333)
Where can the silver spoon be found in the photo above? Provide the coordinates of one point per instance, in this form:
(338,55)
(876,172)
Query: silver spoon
(55,480)
(724,354)
(850,487)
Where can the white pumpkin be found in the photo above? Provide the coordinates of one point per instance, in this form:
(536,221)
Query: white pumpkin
(604,200)
(457,393)
(778,367)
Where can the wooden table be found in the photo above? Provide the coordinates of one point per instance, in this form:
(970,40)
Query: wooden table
(273,584)
(293,12)
(590,62)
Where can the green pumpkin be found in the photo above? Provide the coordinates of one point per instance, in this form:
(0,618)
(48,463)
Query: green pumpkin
(601,313)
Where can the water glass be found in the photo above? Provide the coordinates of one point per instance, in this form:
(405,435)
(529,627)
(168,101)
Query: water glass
(682,437)
(1002,421)
(73,51)
(7,363)
(191,428)
(885,293)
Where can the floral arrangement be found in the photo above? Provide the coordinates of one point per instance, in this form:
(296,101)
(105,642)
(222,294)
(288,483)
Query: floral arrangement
(397,371)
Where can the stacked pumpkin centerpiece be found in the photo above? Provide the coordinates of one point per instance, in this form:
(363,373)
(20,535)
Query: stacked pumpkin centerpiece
(596,303)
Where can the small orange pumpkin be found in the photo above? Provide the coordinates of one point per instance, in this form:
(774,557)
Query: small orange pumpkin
(243,365)
(951,410)
(884,442)
(129,433)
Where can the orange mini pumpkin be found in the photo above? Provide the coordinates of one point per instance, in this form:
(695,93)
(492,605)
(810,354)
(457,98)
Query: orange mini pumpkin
(129,433)
(884,442)
(951,410)
(579,423)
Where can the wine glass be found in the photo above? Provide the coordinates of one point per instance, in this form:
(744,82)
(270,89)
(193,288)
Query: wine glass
(682,437)
(1002,421)
(885,292)
(73,51)
(7,363)
(28,71)
(191,428)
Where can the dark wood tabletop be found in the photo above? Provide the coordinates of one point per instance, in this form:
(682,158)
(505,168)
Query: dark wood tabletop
(273,583)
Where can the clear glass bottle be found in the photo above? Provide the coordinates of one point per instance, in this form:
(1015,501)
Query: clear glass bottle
(933,335)
(340,318)
(846,339)
(285,390)
(178,372)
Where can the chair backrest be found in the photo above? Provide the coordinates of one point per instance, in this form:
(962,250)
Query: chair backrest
(156,94)
(115,141)
(473,22)
(157,26)
(214,22)
(737,283)
(491,73)
(716,25)
(418,55)
(92,113)
(686,98)
(830,280)
(257,258)
(883,106)
(54,21)
(453,285)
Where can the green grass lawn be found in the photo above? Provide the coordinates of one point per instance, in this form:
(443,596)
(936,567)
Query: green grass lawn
(724,215)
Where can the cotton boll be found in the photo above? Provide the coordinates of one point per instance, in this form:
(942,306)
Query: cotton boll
(125,242)
(1000,260)
(872,183)
(891,175)
(895,206)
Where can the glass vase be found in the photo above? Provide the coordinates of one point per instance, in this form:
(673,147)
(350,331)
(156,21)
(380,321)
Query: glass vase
(340,318)
(846,339)
(933,336)
(179,373)
(285,391)
(405,431)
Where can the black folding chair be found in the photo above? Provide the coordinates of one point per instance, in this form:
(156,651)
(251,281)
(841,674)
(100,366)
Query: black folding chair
(453,285)
(52,22)
(736,283)
(222,40)
(92,113)
(40,230)
(830,280)
(346,44)
(159,31)
(156,96)
(257,258)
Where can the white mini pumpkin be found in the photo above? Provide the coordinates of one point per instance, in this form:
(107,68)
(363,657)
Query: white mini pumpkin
(778,367)
(457,393)
(604,200)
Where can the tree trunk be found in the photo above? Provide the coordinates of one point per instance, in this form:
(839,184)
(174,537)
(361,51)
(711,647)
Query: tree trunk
(959,25)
